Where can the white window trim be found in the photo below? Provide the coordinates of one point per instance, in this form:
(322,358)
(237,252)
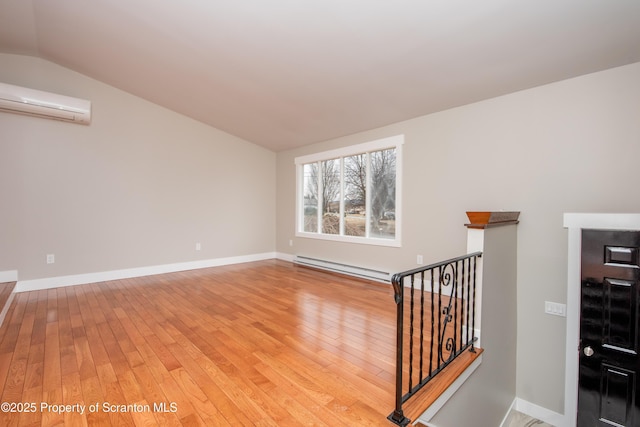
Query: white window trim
(396,142)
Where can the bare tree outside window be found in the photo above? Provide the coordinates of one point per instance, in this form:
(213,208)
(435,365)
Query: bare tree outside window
(383,188)
(322,178)
(383,193)
(310,183)
(355,179)
(330,179)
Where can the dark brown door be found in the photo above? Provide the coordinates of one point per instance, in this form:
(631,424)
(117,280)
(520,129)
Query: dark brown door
(609,387)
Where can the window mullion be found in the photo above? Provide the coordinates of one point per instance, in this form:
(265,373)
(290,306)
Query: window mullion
(367,204)
(300,184)
(320,196)
(342,213)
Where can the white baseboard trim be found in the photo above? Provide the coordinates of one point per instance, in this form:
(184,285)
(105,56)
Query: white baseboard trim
(81,279)
(285,257)
(8,276)
(539,412)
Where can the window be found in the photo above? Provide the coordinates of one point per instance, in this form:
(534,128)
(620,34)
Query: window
(351,194)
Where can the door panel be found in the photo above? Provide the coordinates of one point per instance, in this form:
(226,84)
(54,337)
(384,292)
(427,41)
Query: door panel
(621,256)
(619,317)
(608,389)
(617,395)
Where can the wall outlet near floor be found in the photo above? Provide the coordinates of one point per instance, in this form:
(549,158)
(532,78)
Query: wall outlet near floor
(555,308)
(51,258)
(198,246)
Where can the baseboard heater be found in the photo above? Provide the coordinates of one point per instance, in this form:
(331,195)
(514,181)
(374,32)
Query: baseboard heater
(365,273)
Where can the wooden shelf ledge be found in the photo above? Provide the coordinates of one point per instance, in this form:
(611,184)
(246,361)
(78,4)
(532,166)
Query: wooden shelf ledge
(491,219)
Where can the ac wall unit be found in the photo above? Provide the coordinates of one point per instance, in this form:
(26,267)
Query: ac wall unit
(22,100)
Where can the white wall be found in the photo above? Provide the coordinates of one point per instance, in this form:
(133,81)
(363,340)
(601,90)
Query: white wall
(138,187)
(571,146)
(488,393)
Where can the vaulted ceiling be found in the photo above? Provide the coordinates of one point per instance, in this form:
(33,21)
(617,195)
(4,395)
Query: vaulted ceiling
(285,73)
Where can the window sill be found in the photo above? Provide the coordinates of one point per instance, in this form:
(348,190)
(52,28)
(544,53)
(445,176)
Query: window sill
(352,239)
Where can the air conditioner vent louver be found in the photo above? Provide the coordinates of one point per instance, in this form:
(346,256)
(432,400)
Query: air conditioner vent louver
(21,100)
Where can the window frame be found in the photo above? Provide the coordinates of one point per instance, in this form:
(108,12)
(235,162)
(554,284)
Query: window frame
(393,142)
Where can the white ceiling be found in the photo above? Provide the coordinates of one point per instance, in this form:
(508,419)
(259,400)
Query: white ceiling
(285,73)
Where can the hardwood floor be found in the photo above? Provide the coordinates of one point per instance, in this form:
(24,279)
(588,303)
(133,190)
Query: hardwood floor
(266,343)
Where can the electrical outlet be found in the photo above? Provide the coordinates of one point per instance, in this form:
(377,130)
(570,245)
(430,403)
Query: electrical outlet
(51,258)
(555,308)
(198,246)
(290,242)
(420,260)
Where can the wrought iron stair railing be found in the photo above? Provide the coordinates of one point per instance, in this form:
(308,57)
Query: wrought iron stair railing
(435,323)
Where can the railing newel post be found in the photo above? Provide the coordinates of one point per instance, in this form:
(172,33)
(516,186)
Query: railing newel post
(421,323)
(397,281)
